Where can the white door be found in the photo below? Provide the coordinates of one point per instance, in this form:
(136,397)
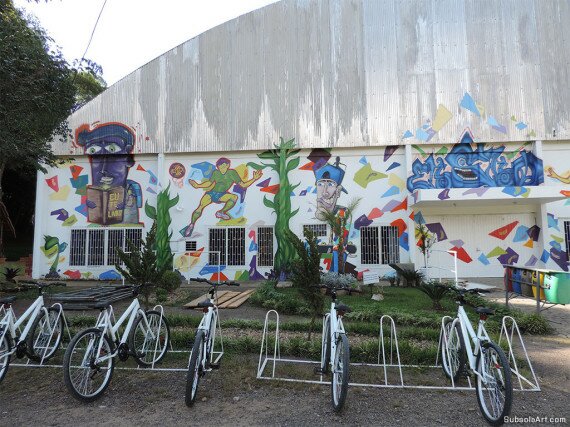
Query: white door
(480,254)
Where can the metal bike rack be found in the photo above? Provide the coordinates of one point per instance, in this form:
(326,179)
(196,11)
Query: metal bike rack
(31,364)
(389,359)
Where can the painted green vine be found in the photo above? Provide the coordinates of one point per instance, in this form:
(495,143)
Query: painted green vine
(161,215)
(283,159)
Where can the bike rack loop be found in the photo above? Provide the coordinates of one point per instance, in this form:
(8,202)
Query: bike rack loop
(394,350)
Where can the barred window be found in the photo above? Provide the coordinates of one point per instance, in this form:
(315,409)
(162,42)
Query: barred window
(96,251)
(567,236)
(379,244)
(228,244)
(191,245)
(236,246)
(77,247)
(319,230)
(116,238)
(217,247)
(265,246)
(99,247)
(390,245)
(369,248)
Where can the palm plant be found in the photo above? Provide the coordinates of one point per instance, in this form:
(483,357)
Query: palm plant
(340,222)
(435,292)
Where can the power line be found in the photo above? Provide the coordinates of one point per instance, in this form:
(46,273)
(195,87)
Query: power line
(93,32)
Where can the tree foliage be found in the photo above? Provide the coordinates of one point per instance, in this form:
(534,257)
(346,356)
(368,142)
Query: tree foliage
(37,94)
(141,265)
(305,273)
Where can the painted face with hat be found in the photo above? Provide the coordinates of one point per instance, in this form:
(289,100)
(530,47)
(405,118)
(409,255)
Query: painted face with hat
(109,147)
(329,186)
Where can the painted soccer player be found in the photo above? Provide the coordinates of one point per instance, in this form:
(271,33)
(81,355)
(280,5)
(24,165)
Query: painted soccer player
(217,191)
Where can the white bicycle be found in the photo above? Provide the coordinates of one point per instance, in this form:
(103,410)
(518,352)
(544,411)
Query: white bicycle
(335,353)
(89,360)
(41,335)
(202,356)
(486,360)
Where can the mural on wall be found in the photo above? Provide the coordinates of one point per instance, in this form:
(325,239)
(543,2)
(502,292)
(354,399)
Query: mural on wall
(283,159)
(443,115)
(328,180)
(53,249)
(161,216)
(111,198)
(469,165)
(217,190)
(552,173)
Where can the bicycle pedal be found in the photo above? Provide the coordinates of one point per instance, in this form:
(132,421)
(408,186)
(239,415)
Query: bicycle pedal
(319,371)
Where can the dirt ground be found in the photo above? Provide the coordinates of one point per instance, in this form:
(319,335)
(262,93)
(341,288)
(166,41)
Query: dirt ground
(233,396)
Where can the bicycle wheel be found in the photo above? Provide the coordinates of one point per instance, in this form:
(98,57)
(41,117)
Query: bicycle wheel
(45,335)
(195,368)
(340,373)
(494,386)
(326,349)
(84,376)
(5,347)
(454,363)
(149,344)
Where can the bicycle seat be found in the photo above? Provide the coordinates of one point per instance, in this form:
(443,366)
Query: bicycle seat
(8,300)
(342,307)
(206,303)
(484,310)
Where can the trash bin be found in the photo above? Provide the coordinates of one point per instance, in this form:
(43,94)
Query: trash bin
(536,276)
(526,283)
(517,280)
(557,288)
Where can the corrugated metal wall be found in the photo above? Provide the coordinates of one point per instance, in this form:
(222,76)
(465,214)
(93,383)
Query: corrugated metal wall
(335,73)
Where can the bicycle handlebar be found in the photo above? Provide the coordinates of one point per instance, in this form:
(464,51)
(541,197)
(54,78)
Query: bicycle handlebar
(225,282)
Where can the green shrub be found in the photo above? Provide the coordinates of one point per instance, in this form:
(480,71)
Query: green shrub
(412,277)
(161,295)
(338,280)
(534,324)
(435,292)
(267,296)
(170,281)
(10,274)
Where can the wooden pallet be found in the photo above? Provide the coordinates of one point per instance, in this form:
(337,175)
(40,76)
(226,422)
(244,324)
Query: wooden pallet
(226,299)
(237,300)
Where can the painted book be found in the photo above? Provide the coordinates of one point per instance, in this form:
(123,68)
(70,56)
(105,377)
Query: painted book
(106,205)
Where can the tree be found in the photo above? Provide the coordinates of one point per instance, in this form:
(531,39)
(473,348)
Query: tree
(339,222)
(305,273)
(37,96)
(88,82)
(426,240)
(141,265)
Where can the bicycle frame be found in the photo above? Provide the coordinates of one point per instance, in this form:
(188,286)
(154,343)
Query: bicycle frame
(336,328)
(11,326)
(208,325)
(105,323)
(469,335)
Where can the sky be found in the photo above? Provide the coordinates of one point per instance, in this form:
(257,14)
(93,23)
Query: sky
(130,33)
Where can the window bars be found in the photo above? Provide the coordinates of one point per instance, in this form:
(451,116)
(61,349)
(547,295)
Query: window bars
(98,247)
(265,246)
